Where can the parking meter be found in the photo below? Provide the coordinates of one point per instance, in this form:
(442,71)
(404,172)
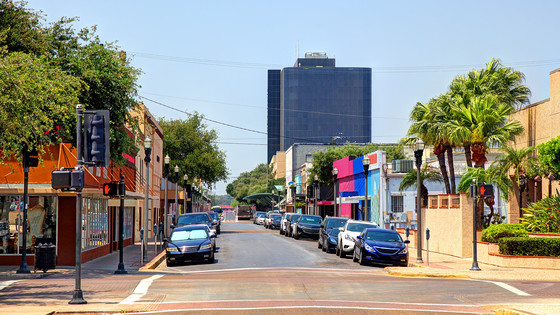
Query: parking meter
(142,246)
(155,228)
(142,234)
(407,232)
(427,234)
(428,246)
(155,237)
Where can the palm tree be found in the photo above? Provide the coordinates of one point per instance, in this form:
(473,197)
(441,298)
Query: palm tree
(492,175)
(427,125)
(519,161)
(494,79)
(484,122)
(427,174)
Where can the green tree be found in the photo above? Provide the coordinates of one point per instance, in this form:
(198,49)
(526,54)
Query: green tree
(106,78)
(427,174)
(549,157)
(323,161)
(37,104)
(194,148)
(253,182)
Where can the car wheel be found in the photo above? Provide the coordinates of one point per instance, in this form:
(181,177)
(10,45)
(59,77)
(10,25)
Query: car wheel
(337,250)
(342,253)
(362,261)
(354,258)
(212,258)
(281,232)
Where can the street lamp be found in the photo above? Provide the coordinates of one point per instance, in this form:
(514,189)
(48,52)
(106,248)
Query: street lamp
(418,153)
(176,169)
(293,190)
(166,161)
(315,184)
(335,177)
(185,178)
(365,163)
(147,159)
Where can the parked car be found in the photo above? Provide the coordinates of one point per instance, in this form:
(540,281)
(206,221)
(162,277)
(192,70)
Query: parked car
(259,218)
(347,236)
(217,220)
(275,220)
(196,218)
(256,216)
(290,224)
(376,245)
(329,223)
(189,243)
(307,226)
(267,218)
(330,238)
(285,218)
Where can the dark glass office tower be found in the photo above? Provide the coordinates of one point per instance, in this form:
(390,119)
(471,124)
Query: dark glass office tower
(319,103)
(273,121)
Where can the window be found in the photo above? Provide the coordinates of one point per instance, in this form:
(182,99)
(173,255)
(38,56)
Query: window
(397,204)
(95,223)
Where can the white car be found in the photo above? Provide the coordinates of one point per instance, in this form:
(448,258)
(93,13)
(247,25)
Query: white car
(348,234)
(285,218)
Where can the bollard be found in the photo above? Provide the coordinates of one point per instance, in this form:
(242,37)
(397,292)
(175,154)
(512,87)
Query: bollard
(427,246)
(142,247)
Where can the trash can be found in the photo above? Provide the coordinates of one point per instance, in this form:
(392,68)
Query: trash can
(45,257)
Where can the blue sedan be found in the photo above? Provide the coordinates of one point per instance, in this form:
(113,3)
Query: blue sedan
(189,243)
(375,245)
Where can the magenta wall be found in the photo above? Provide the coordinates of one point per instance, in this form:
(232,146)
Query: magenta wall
(345,182)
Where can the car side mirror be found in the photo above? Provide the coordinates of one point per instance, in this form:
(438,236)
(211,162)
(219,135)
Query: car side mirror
(172,226)
(359,237)
(341,229)
(407,242)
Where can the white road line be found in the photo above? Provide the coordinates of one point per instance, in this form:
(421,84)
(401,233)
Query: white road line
(307,307)
(5,284)
(140,290)
(319,270)
(508,287)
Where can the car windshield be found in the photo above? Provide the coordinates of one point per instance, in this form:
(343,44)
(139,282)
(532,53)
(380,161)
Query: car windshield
(383,236)
(261,215)
(193,219)
(314,220)
(214,215)
(335,223)
(333,232)
(276,217)
(189,235)
(358,227)
(295,217)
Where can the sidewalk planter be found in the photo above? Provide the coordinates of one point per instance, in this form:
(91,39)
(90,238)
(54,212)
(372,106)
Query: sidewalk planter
(488,254)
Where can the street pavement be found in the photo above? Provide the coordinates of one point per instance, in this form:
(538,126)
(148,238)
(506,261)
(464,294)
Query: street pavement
(39,293)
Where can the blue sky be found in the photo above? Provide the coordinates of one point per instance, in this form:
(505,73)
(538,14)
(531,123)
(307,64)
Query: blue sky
(212,56)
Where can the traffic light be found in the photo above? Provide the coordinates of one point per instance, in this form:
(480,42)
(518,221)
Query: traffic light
(67,179)
(96,140)
(484,190)
(30,158)
(111,189)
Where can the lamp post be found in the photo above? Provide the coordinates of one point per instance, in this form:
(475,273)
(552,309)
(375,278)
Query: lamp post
(335,177)
(147,159)
(166,161)
(176,169)
(185,178)
(293,190)
(418,153)
(315,190)
(365,163)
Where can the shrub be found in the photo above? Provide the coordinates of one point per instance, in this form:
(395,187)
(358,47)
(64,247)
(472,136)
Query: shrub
(530,246)
(494,232)
(543,216)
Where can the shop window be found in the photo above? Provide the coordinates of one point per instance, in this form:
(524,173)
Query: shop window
(95,223)
(41,219)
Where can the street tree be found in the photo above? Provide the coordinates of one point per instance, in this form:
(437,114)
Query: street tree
(427,174)
(193,147)
(255,181)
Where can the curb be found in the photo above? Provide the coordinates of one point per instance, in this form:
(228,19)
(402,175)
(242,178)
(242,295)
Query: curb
(154,263)
(507,311)
(424,275)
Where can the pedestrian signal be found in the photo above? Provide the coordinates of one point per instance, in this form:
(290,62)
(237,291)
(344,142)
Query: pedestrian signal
(111,189)
(485,190)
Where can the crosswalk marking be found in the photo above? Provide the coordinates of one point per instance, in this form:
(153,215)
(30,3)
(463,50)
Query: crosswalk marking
(140,290)
(5,284)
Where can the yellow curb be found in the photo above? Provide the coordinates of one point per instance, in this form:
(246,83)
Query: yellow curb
(507,311)
(424,275)
(153,263)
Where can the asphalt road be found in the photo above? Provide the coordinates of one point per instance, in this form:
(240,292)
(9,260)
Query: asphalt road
(258,269)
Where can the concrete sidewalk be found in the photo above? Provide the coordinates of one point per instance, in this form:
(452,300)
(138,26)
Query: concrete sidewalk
(447,266)
(103,265)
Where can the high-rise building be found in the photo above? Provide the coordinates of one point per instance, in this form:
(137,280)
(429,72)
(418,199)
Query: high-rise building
(316,102)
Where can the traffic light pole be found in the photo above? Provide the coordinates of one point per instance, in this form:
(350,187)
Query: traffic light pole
(120,268)
(78,297)
(23,266)
(475,202)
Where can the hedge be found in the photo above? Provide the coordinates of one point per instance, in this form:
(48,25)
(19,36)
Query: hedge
(530,246)
(495,232)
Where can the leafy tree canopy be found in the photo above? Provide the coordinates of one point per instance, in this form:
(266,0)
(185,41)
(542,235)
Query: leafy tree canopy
(549,157)
(193,148)
(322,161)
(256,181)
(102,79)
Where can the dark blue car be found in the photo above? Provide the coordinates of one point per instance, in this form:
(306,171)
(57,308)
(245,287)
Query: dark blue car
(189,243)
(382,246)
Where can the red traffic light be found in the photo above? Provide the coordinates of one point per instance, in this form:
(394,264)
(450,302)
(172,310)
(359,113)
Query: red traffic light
(111,189)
